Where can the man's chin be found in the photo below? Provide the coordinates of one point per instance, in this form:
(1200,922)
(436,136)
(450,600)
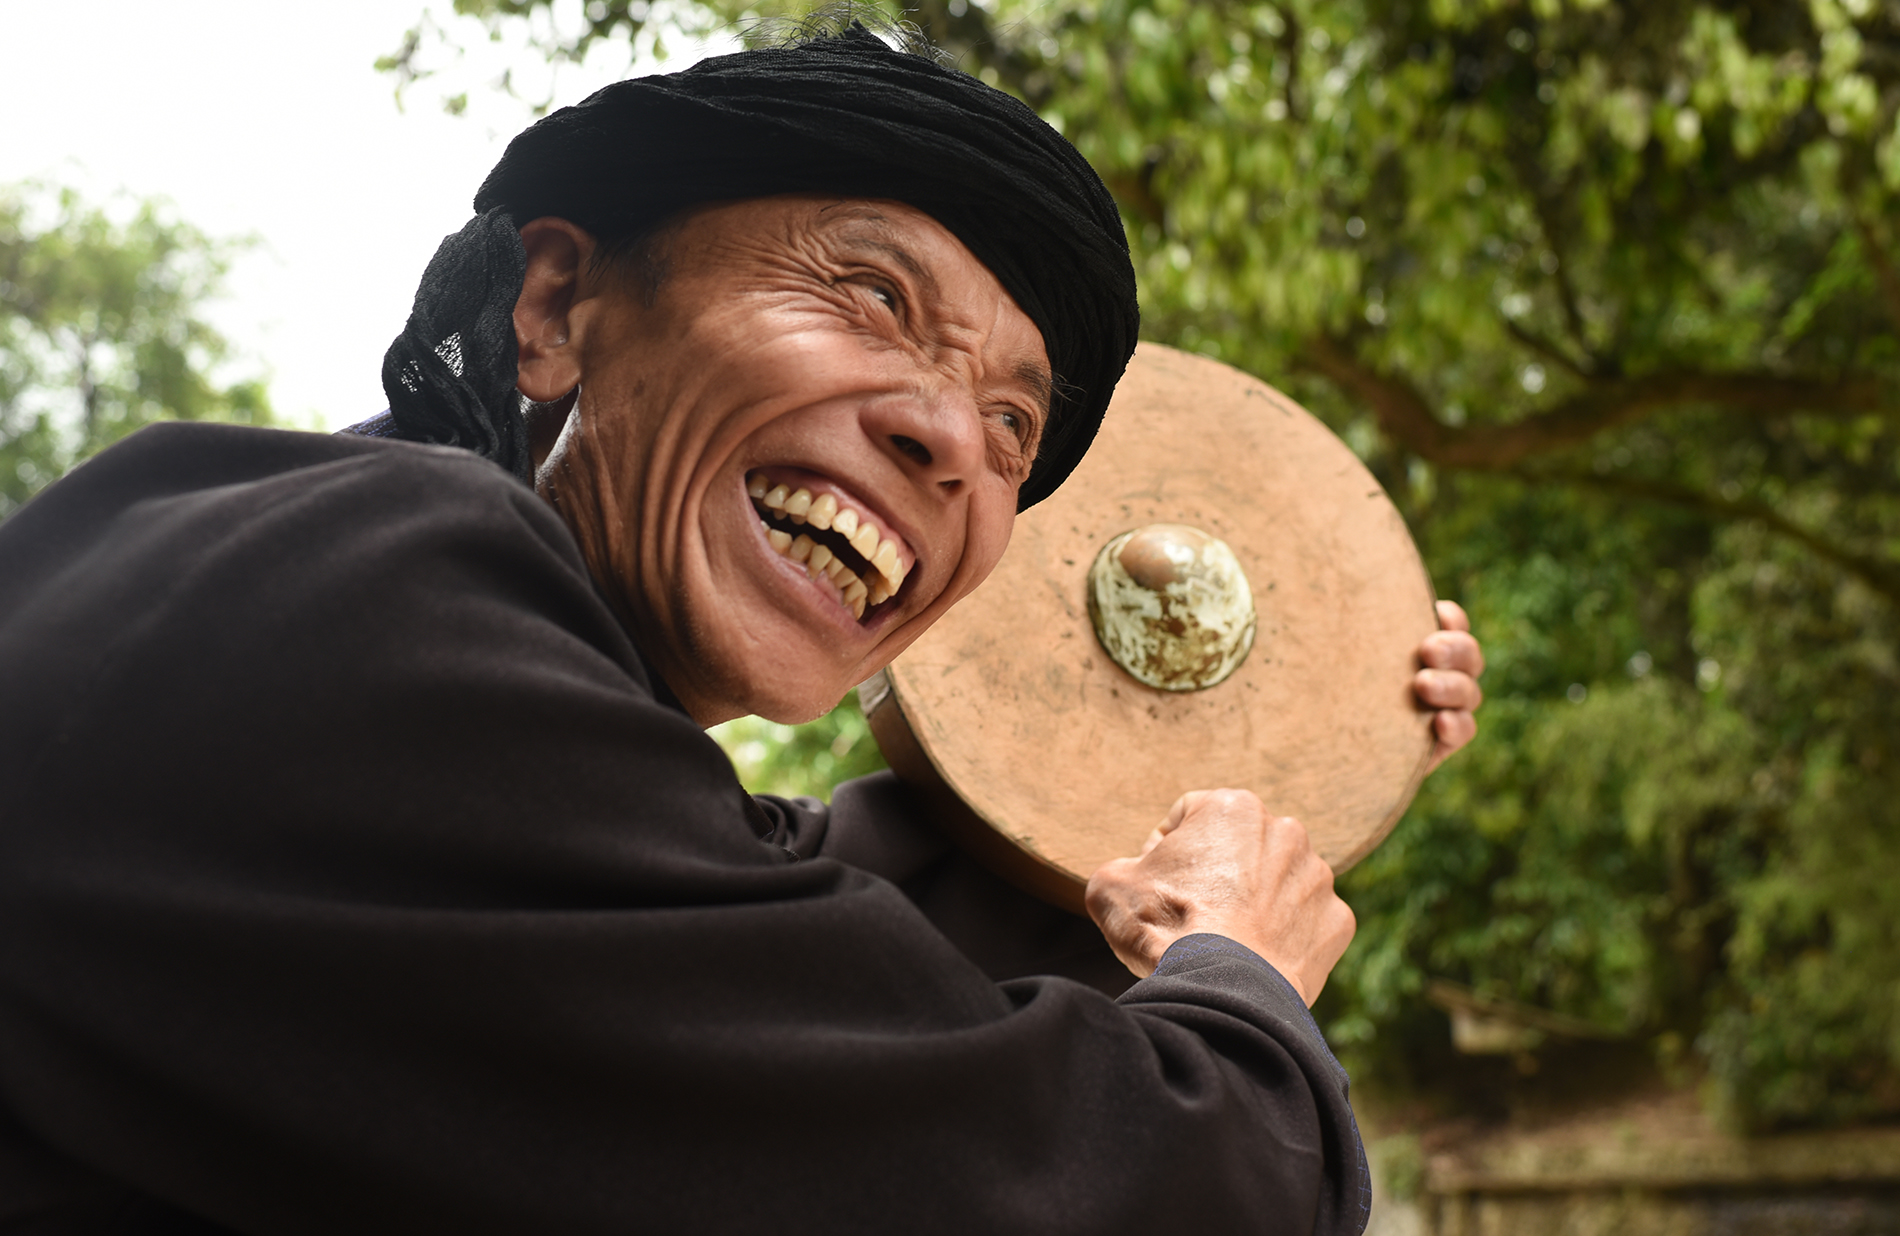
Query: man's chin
(794,702)
(773,690)
(801,715)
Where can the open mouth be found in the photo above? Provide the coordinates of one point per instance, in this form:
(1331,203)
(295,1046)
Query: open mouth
(832,536)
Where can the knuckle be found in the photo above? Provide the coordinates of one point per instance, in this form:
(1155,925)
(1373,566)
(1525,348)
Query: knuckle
(1231,802)
(1318,877)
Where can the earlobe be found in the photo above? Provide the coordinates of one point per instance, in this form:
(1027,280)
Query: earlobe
(558,253)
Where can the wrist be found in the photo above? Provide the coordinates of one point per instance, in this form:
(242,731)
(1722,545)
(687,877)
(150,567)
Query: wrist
(1239,935)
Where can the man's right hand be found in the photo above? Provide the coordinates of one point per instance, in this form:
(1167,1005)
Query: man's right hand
(1221,863)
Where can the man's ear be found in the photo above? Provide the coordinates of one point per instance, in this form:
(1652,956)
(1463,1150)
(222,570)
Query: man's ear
(558,255)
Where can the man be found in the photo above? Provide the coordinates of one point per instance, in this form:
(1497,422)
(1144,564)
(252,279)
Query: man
(366,867)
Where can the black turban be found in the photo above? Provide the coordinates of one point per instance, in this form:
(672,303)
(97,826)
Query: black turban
(841,114)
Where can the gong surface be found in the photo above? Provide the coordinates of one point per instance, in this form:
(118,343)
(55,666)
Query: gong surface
(1046,759)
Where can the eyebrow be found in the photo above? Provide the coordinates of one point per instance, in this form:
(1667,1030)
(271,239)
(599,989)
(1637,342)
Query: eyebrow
(890,249)
(1041,384)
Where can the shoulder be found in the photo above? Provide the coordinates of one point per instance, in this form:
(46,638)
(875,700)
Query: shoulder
(279,525)
(205,491)
(240,465)
(240,556)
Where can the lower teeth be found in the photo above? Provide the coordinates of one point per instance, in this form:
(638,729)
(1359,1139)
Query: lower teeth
(819,559)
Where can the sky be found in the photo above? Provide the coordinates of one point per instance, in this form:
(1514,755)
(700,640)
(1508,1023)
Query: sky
(268,120)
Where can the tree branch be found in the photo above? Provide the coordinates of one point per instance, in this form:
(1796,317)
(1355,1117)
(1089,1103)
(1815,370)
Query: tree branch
(1884,273)
(88,389)
(1134,189)
(1880,574)
(1547,349)
(1603,404)
(1546,199)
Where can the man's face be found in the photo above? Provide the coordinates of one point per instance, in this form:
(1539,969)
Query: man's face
(814,381)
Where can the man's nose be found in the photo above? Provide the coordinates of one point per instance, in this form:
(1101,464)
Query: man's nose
(933,430)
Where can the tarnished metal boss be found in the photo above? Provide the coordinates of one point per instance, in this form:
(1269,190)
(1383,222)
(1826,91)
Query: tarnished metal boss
(1172,606)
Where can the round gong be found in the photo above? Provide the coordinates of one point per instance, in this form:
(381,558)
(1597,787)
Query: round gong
(1045,758)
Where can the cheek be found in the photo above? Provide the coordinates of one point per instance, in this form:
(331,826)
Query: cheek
(608,439)
(992,517)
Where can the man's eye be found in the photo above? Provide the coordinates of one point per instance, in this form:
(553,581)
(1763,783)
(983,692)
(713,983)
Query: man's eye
(884,294)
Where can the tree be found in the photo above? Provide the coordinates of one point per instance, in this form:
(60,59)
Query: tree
(795,760)
(1605,292)
(101,332)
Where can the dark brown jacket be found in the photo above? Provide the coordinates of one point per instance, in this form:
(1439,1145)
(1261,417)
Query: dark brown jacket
(353,879)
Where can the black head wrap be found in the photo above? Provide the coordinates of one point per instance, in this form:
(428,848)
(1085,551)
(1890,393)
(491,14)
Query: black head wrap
(840,114)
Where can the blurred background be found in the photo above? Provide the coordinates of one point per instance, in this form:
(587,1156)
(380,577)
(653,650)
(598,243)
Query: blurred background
(1606,293)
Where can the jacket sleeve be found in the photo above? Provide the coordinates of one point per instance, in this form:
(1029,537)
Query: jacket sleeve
(353,880)
(874,823)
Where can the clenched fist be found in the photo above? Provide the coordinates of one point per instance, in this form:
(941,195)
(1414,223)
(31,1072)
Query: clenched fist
(1221,863)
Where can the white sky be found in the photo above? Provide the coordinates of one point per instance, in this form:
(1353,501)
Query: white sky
(268,119)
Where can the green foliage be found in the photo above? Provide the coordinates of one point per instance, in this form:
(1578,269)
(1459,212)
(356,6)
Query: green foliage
(1604,292)
(1679,822)
(1812,1027)
(645,25)
(100,333)
(795,760)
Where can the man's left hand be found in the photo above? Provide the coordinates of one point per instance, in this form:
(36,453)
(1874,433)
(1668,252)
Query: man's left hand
(1452,662)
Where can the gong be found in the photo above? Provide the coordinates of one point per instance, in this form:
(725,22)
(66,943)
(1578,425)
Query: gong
(1220,596)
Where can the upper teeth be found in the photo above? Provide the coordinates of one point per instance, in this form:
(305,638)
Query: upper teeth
(824,512)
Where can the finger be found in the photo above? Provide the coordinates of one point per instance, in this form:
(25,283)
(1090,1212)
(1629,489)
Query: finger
(1290,834)
(1176,814)
(1452,616)
(1454,729)
(1447,689)
(1109,874)
(1456,650)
